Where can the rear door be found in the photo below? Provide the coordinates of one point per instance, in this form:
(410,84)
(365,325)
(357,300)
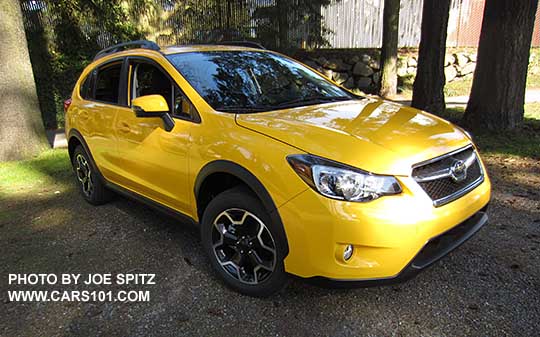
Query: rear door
(152,161)
(97,112)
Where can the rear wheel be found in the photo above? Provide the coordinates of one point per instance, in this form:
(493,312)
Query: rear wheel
(91,186)
(242,243)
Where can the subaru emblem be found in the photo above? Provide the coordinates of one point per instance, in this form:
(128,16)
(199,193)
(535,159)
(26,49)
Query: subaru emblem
(458,171)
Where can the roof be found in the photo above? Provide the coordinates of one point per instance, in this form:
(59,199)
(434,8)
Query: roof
(149,45)
(203,47)
(143,46)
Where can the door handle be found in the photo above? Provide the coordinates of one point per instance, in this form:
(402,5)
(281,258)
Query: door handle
(124,127)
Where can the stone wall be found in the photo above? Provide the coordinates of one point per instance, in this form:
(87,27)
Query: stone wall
(360,69)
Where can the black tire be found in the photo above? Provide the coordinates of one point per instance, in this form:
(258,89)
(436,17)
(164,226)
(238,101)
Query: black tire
(250,266)
(91,185)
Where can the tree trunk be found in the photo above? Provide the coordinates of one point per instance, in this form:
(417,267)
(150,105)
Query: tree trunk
(389,48)
(21,128)
(428,89)
(498,89)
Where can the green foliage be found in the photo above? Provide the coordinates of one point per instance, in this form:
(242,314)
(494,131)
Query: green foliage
(63,36)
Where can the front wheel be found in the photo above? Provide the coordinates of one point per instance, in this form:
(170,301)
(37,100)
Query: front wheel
(242,243)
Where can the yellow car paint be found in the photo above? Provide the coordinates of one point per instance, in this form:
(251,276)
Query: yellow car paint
(151,103)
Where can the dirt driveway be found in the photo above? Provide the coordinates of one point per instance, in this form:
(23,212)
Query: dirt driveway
(489,287)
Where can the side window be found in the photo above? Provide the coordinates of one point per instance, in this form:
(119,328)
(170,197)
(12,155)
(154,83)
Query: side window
(107,82)
(148,79)
(86,86)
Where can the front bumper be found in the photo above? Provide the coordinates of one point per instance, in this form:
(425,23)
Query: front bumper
(434,250)
(393,237)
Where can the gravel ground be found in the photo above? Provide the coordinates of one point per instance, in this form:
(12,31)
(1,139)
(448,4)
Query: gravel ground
(488,287)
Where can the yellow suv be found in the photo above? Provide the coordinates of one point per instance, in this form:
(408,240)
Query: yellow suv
(285,171)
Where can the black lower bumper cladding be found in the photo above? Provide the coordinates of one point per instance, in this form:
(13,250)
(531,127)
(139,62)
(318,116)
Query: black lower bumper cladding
(434,250)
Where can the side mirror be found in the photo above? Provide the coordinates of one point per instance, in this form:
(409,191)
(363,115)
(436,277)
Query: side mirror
(153,106)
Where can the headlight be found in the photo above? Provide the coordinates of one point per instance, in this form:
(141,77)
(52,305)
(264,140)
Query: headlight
(338,181)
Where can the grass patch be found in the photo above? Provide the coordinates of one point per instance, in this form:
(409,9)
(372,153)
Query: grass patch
(532,111)
(524,142)
(462,86)
(458,87)
(50,168)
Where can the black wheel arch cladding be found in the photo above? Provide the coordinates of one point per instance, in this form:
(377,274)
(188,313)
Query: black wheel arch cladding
(252,182)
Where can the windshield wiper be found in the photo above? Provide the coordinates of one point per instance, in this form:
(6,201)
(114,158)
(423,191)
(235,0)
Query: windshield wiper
(245,109)
(295,102)
(314,100)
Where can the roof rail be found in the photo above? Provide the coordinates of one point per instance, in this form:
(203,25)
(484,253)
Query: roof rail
(249,44)
(126,45)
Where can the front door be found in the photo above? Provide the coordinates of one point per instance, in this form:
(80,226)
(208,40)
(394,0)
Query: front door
(152,161)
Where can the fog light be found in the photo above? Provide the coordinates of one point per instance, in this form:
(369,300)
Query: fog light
(347,253)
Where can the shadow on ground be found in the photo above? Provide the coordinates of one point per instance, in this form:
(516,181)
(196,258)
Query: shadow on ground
(490,286)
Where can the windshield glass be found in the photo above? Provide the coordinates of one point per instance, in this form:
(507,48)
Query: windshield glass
(247,81)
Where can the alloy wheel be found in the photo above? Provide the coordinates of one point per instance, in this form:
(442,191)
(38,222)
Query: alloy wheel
(84,174)
(243,246)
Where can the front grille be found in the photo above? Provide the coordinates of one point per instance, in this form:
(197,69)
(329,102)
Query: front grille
(435,176)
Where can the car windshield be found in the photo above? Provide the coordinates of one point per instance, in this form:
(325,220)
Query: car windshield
(250,81)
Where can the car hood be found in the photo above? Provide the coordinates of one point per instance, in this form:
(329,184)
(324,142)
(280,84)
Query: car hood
(370,134)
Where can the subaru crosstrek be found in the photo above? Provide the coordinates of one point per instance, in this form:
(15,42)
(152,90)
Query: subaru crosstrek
(284,171)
